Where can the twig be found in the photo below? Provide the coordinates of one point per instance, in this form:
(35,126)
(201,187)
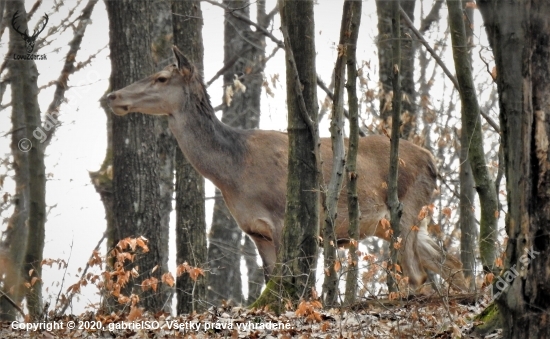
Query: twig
(227,65)
(250,22)
(69,67)
(441,64)
(65,273)
(420,37)
(432,17)
(13,303)
(70,297)
(329,93)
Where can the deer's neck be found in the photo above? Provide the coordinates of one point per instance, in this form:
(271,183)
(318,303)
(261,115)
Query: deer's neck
(215,150)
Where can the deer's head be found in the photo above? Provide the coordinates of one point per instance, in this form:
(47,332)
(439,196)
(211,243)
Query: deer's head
(163,93)
(29,39)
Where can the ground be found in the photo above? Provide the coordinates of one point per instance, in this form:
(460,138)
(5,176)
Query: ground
(420,317)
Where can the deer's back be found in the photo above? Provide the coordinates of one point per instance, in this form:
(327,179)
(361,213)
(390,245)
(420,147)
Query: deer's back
(263,190)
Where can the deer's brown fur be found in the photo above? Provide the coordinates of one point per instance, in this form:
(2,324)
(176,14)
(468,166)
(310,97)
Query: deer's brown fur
(250,169)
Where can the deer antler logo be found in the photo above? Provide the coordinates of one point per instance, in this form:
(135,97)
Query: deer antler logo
(29,40)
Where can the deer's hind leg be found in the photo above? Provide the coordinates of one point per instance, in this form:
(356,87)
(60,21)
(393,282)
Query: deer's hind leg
(420,252)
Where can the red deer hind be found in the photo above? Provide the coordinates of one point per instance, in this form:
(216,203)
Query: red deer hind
(250,169)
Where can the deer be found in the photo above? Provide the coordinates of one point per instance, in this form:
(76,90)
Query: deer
(249,167)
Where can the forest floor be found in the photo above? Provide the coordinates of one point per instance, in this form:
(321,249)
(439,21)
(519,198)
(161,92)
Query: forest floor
(425,317)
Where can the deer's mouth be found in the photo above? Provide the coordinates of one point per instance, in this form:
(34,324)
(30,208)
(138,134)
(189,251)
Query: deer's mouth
(120,110)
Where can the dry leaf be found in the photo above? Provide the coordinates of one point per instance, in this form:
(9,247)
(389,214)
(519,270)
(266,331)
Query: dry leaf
(337,265)
(135,313)
(447,212)
(168,279)
(195,272)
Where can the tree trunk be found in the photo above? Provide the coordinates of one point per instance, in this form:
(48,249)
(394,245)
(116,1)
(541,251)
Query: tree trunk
(18,229)
(190,209)
(142,150)
(384,12)
(468,225)
(352,177)
(243,58)
(294,274)
(330,285)
(471,125)
(519,33)
(25,233)
(396,208)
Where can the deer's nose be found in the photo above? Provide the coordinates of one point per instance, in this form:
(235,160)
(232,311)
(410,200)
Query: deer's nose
(112,96)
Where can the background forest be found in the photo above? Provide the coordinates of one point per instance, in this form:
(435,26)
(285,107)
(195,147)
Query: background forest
(105,215)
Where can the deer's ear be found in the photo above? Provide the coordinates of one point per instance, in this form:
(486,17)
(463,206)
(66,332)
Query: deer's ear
(183,63)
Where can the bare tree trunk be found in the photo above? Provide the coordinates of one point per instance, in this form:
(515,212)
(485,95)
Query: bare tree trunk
(519,33)
(396,208)
(17,230)
(384,12)
(142,146)
(352,177)
(471,126)
(25,233)
(294,273)
(468,226)
(330,285)
(190,210)
(243,57)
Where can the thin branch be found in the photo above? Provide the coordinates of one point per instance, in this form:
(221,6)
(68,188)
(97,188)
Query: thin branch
(250,22)
(70,297)
(432,17)
(13,303)
(441,64)
(227,65)
(329,93)
(69,67)
(420,37)
(297,89)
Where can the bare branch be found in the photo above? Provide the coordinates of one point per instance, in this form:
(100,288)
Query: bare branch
(13,303)
(432,17)
(329,93)
(297,89)
(250,22)
(68,300)
(441,64)
(69,66)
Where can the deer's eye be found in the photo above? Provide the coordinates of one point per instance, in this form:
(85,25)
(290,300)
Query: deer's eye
(162,79)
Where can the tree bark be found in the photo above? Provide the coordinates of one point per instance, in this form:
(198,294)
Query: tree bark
(351,161)
(142,155)
(468,225)
(294,274)
(25,233)
(519,34)
(396,208)
(191,246)
(20,74)
(330,285)
(384,13)
(241,108)
(471,125)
